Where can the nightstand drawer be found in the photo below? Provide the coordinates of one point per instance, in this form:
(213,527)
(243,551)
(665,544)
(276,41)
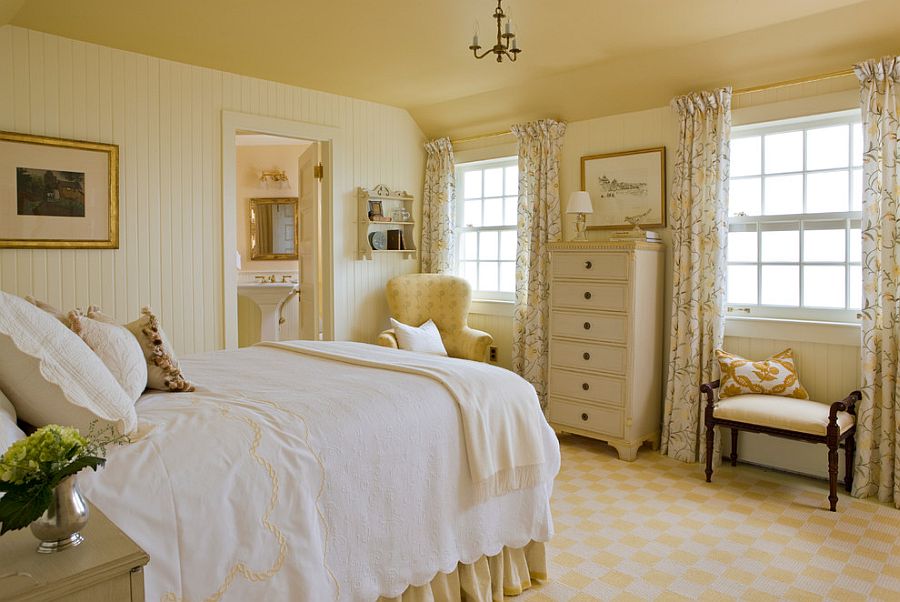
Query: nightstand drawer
(587,356)
(600,420)
(603,266)
(590,295)
(590,387)
(594,327)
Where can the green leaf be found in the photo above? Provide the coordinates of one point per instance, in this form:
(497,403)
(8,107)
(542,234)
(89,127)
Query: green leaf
(76,466)
(18,509)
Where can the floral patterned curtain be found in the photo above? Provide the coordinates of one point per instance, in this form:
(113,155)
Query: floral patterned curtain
(877,462)
(438,208)
(539,223)
(699,208)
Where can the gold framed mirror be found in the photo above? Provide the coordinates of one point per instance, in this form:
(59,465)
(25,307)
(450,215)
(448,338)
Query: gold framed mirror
(273,228)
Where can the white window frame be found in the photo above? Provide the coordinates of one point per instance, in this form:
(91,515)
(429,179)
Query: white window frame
(460,227)
(852,220)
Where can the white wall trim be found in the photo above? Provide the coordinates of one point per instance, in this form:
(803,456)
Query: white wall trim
(492,307)
(826,333)
(331,137)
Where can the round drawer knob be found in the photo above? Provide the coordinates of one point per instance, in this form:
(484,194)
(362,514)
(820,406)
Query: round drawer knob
(588,265)
(587,325)
(585,386)
(586,356)
(587,294)
(584,417)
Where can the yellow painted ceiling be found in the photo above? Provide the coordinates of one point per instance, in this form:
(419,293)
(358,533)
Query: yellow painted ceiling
(581,59)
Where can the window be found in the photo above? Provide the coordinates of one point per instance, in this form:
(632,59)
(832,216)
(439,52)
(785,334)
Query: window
(794,244)
(486,202)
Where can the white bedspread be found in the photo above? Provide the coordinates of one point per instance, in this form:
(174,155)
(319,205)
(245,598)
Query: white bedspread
(289,477)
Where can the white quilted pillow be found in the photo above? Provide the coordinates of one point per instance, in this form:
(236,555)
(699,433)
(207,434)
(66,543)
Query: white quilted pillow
(52,377)
(9,430)
(424,339)
(117,348)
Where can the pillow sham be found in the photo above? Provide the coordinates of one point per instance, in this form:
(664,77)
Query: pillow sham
(56,313)
(51,375)
(163,373)
(117,348)
(9,430)
(776,375)
(423,339)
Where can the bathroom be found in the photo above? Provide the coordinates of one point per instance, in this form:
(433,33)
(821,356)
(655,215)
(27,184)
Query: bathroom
(268,246)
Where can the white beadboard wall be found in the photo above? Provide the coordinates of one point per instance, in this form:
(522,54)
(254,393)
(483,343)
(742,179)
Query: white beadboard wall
(166,119)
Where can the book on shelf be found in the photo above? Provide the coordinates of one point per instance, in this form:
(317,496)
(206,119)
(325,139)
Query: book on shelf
(629,235)
(395,240)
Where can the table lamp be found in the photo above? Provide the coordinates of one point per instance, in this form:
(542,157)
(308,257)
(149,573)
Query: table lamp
(580,204)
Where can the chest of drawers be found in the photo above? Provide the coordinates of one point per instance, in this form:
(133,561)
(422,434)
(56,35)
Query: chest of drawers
(606,334)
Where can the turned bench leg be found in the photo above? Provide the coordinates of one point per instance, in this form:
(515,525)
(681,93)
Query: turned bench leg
(710,444)
(734,435)
(832,475)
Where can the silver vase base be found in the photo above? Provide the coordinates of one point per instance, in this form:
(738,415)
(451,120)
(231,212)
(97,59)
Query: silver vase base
(49,547)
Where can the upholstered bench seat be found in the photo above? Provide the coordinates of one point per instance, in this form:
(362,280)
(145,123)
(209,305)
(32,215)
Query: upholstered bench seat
(798,415)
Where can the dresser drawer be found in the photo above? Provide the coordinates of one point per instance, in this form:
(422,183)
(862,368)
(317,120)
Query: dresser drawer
(595,327)
(604,421)
(587,356)
(606,296)
(603,266)
(590,387)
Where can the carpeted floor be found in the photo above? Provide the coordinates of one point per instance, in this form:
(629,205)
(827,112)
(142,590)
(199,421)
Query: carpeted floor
(653,529)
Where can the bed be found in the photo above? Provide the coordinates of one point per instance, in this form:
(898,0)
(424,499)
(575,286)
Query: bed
(308,472)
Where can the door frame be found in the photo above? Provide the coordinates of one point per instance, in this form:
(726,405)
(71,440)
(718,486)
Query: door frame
(331,139)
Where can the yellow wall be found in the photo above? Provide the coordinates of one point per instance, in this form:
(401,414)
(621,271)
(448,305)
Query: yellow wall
(166,119)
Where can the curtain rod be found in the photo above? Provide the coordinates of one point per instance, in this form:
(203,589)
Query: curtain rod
(737,92)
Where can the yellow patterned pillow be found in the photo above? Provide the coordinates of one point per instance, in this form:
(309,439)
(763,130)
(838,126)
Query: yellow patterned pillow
(774,376)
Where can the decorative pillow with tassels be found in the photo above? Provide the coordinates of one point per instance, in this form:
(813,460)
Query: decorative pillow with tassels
(774,376)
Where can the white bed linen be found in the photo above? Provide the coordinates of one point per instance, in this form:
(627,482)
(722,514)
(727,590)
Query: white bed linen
(288,477)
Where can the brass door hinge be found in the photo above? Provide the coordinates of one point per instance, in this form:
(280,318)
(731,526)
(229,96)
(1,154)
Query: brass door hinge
(319,171)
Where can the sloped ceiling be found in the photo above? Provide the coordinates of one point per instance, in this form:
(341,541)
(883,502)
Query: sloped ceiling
(581,59)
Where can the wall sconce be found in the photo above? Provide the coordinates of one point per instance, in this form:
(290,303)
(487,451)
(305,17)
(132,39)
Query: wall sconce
(276,175)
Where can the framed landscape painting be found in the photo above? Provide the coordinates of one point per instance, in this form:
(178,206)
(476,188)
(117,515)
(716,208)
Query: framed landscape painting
(626,184)
(57,193)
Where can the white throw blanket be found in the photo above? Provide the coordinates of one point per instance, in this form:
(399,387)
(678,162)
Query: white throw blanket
(502,430)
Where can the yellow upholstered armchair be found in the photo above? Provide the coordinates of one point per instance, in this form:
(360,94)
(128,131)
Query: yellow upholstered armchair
(416,298)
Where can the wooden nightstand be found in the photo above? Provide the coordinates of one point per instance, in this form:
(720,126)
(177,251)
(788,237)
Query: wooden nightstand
(107,567)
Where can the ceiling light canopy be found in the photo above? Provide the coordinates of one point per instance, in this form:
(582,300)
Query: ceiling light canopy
(506,39)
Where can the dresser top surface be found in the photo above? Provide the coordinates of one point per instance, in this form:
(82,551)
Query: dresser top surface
(606,245)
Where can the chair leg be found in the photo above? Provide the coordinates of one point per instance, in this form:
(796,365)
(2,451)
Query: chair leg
(710,444)
(850,452)
(832,475)
(734,438)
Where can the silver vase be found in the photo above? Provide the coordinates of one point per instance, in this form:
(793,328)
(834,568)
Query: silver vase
(58,527)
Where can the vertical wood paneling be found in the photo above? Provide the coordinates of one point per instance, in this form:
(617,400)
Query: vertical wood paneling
(166,117)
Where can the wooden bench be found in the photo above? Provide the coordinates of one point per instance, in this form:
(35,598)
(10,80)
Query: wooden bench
(798,419)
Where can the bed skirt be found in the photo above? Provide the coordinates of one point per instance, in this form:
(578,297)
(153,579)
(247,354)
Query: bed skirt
(488,579)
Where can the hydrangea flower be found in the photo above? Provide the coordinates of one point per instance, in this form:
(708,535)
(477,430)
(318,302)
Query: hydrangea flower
(42,454)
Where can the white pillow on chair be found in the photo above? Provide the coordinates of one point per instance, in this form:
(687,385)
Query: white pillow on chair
(424,339)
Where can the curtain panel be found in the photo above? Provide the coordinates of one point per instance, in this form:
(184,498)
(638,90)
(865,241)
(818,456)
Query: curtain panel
(539,224)
(438,208)
(877,469)
(699,204)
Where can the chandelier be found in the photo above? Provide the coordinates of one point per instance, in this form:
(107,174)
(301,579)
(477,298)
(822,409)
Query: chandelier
(506,40)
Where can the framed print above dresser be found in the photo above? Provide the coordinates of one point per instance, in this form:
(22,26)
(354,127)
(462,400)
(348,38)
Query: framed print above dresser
(606,326)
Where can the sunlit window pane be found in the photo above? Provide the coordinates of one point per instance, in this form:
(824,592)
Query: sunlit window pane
(858,149)
(827,191)
(512,180)
(468,246)
(828,147)
(745,156)
(780,245)
(742,246)
(742,284)
(488,245)
(855,245)
(824,245)
(508,276)
(472,213)
(744,197)
(824,286)
(784,152)
(784,194)
(855,287)
(780,285)
(493,212)
(469,271)
(493,181)
(857,190)
(488,274)
(508,245)
(510,210)
(472,184)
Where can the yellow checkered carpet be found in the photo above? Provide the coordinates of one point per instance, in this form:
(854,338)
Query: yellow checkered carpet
(653,529)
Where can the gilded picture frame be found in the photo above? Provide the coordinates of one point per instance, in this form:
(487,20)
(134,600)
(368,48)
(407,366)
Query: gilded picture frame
(57,193)
(626,184)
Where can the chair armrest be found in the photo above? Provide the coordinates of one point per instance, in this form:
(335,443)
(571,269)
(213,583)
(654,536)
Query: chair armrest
(848,404)
(388,339)
(709,389)
(473,344)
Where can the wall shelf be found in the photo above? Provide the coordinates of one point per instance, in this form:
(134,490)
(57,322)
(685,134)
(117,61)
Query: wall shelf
(389,200)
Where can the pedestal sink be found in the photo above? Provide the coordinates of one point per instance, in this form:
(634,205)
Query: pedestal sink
(267,296)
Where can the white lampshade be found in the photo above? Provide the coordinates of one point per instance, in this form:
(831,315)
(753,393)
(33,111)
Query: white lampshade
(580,202)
